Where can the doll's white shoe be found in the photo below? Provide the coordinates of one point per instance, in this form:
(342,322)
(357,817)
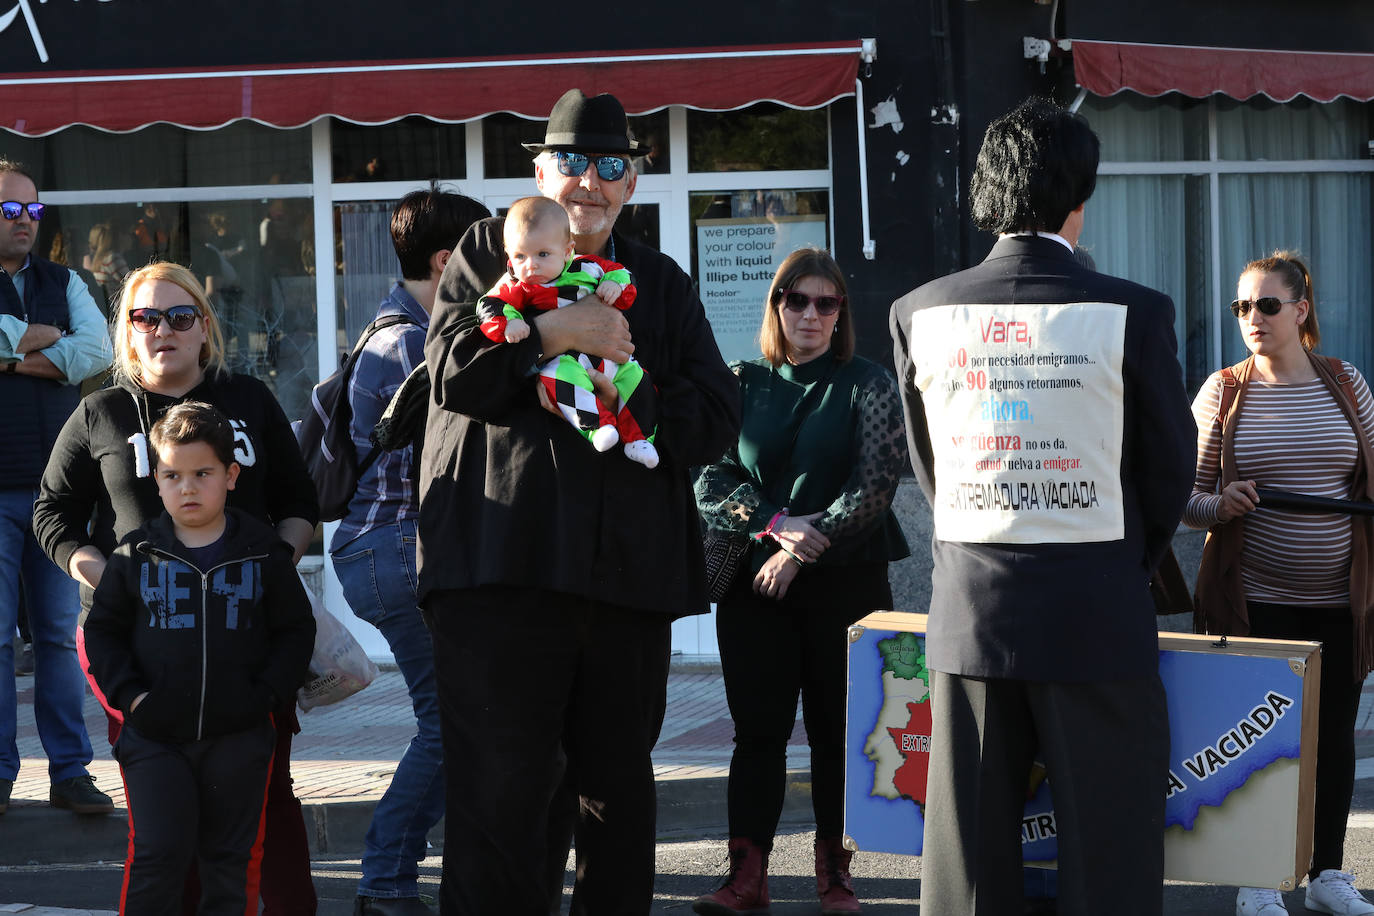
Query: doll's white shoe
(605,438)
(642,452)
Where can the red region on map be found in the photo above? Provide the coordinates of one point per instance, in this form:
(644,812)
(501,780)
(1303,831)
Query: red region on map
(914,742)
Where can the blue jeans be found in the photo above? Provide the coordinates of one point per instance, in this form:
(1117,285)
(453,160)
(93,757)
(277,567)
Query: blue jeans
(59,687)
(377,572)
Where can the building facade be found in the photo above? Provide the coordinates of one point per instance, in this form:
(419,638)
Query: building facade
(264,144)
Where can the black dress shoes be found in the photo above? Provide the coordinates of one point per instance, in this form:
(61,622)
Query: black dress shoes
(391,906)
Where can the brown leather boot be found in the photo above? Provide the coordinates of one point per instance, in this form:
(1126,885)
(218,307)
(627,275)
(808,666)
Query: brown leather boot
(834,885)
(746,887)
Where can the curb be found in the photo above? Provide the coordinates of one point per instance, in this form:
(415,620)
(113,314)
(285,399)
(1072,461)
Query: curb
(42,835)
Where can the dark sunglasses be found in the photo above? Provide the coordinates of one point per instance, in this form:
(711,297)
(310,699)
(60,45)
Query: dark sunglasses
(796,301)
(179,318)
(1268,305)
(12,208)
(574,165)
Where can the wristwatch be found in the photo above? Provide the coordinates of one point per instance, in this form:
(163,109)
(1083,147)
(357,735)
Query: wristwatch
(12,366)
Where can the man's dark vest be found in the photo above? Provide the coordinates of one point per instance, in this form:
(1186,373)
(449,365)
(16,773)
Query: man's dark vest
(32,410)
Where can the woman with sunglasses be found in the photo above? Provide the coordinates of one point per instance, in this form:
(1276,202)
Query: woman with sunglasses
(1288,419)
(810,483)
(98,486)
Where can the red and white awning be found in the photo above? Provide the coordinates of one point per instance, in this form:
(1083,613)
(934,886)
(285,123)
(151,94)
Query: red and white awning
(1108,67)
(375,92)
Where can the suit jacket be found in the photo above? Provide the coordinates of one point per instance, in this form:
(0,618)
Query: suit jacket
(1049,399)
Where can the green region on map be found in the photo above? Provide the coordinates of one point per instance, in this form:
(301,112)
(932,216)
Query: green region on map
(902,656)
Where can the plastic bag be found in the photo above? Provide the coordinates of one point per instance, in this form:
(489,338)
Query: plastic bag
(339,667)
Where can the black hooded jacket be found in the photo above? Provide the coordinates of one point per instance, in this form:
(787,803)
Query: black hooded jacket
(215,649)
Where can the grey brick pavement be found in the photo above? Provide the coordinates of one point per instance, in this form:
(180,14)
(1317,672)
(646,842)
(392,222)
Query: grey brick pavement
(347,752)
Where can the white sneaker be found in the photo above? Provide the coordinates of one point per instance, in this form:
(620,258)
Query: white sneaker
(1334,892)
(1259,901)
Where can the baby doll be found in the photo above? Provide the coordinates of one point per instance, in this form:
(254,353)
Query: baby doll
(547,273)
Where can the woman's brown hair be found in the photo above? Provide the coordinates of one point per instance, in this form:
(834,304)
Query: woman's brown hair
(797,266)
(1297,279)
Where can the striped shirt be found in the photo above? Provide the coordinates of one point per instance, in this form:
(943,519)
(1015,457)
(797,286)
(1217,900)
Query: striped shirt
(1288,437)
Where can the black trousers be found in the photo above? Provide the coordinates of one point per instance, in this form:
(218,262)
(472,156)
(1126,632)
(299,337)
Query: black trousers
(527,679)
(1106,747)
(203,802)
(1340,704)
(771,652)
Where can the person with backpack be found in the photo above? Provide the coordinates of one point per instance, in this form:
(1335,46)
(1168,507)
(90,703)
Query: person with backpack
(373,549)
(1287,419)
(99,486)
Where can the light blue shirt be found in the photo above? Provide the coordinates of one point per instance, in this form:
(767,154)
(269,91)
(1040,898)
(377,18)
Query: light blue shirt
(81,352)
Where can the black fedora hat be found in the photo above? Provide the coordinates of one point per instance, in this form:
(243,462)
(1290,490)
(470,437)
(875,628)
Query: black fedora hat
(594,125)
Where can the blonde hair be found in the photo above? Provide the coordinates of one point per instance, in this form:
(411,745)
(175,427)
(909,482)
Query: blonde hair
(796,267)
(1297,279)
(126,364)
(101,240)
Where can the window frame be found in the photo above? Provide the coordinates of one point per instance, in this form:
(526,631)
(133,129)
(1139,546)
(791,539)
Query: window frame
(1213,168)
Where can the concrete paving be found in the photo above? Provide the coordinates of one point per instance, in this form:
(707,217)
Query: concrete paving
(343,759)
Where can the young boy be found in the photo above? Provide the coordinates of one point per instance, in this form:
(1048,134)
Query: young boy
(545,272)
(198,628)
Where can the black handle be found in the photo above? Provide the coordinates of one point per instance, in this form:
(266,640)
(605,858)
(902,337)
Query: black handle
(1299,502)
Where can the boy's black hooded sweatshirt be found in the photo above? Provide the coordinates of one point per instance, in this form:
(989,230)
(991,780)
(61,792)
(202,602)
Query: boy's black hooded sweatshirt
(215,649)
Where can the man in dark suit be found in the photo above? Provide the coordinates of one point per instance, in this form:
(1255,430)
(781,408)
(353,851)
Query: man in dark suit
(1051,435)
(550,573)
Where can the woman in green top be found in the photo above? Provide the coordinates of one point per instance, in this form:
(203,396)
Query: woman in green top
(811,483)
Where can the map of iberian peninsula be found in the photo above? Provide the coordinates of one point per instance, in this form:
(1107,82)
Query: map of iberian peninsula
(899,744)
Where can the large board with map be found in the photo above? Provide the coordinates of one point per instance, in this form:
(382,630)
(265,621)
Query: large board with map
(1242,721)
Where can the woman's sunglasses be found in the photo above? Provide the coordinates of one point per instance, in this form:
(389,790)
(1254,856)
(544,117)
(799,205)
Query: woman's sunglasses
(179,318)
(12,208)
(574,165)
(1268,305)
(796,301)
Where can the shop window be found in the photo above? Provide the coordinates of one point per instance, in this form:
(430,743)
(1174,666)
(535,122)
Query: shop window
(1133,128)
(640,222)
(1326,219)
(1161,229)
(1301,129)
(255,259)
(1123,211)
(368,265)
(504,157)
(761,138)
(409,149)
(161,156)
(738,240)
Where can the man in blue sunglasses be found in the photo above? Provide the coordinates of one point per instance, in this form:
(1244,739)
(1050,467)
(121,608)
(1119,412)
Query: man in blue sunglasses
(52,336)
(550,572)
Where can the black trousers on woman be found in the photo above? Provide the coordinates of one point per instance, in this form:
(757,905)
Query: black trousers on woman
(1340,703)
(772,651)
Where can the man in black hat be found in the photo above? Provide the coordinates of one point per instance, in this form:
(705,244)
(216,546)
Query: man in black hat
(546,650)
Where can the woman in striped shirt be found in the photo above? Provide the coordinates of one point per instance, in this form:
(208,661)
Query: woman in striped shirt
(1299,422)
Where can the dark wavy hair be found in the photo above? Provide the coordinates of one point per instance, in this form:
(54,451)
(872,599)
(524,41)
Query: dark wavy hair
(1037,164)
(428,221)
